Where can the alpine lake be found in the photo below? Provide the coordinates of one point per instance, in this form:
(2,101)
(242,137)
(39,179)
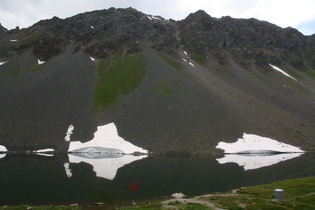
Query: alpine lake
(122,180)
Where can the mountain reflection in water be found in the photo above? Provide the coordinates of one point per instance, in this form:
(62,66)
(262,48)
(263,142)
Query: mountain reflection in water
(35,179)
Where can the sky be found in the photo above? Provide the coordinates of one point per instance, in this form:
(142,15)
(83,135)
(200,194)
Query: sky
(284,13)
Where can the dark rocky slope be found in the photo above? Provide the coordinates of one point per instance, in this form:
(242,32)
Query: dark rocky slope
(141,82)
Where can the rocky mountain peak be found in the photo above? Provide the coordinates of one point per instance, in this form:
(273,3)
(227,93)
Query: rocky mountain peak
(100,33)
(3,30)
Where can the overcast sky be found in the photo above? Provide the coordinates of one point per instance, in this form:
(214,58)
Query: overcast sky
(298,14)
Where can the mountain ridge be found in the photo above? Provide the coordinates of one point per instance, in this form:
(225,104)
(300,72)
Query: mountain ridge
(204,80)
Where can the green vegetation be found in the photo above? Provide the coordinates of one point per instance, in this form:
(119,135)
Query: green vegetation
(298,194)
(151,206)
(28,40)
(299,87)
(166,87)
(16,72)
(38,67)
(119,74)
(310,72)
(199,58)
(171,61)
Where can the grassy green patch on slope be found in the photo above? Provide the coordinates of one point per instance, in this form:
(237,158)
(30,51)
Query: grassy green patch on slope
(166,88)
(199,58)
(117,75)
(171,61)
(15,73)
(28,40)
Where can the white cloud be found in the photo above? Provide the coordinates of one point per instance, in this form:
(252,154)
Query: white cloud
(280,12)
(283,12)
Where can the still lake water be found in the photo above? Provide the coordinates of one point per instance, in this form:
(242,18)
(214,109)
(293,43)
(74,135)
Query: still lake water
(62,179)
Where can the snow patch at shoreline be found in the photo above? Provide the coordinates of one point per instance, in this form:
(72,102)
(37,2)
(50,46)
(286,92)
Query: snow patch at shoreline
(252,144)
(280,70)
(3,149)
(2,63)
(253,152)
(69,133)
(45,150)
(106,136)
(251,162)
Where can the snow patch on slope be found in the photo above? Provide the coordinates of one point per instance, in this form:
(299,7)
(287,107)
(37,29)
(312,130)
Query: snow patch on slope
(40,62)
(151,17)
(2,63)
(69,133)
(281,71)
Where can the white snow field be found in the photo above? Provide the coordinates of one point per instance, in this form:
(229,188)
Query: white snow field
(252,144)
(280,70)
(106,152)
(40,62)
(3,149)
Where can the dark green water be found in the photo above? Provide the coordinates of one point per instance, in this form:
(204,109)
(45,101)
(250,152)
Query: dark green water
(34,179)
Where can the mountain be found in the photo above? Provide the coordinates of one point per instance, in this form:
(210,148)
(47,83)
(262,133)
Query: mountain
(177,87)
(3,30)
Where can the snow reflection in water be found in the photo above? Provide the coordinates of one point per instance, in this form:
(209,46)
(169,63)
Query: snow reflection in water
(105,165)
(250,161)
